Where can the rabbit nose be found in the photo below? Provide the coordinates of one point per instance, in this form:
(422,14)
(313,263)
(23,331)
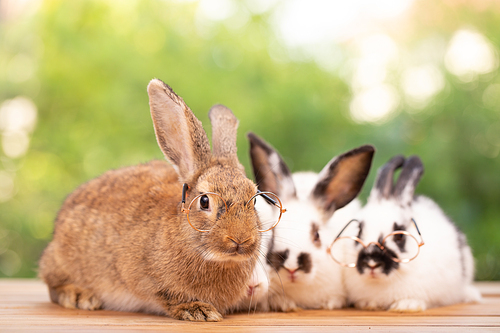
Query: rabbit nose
(251,289)
(237,244)
(292,275)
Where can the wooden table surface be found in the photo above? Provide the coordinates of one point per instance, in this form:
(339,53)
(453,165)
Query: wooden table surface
(25,307)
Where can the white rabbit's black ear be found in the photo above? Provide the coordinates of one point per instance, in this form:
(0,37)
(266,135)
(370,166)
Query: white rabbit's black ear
(384,184)
(342,178)
(271,172)
(409,177)
(179,133)
(224,128)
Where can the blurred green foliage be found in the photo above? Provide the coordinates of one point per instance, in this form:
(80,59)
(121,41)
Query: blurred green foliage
(91,63)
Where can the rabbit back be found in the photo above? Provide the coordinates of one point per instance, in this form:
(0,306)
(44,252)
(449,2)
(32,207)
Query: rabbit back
(101,218)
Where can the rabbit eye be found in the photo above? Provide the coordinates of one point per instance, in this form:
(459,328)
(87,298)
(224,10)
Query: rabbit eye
(315,235)
(204,202)
(398,238)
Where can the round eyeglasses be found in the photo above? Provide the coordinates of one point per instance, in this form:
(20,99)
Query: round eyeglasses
(267,205)
(401,246)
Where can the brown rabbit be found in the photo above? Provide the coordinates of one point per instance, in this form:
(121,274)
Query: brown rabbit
(122,241)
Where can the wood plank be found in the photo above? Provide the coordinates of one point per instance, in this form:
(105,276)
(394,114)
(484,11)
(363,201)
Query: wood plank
(25,306)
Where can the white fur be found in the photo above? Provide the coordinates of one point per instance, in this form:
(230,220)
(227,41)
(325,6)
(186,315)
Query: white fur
(256,298)
(258,285)
(123,300)
(322,287)
(441,275)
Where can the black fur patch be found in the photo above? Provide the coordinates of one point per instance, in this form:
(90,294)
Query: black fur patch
(315,235)
(277,259)
(400,240)
(462,245)
(305,262)
(360,233)
(382,258)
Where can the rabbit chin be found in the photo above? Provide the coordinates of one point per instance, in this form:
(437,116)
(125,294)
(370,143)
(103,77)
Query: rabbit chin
(211,255)
(375,274)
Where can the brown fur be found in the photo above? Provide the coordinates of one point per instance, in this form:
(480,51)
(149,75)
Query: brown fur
(224,141)
(122,235)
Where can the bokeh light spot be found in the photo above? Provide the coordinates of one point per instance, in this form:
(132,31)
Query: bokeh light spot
(470,54)
(376,52)
(217,10)
(421,83)
(18,114)
(375,104)
(15,144)
(260,6)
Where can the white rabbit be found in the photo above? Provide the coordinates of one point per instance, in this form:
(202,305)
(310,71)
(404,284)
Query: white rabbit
(432,267)
(303,276)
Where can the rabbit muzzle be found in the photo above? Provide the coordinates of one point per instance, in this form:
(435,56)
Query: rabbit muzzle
(237,246)
(375,260)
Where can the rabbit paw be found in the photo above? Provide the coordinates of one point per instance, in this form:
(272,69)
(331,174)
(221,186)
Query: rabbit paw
(472,295)
(335,303)
(196,311)
(72,297)
(284,305)
(367,305)
(408,305)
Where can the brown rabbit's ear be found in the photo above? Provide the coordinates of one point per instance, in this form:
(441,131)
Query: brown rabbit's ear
(342,178)
(271,172)
(224,127)
(179,133)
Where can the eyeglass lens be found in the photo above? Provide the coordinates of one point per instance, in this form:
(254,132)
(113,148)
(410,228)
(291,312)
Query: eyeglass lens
(268,209)
(267,205)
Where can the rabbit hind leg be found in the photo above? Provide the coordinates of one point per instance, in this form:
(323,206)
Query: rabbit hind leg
(73,297)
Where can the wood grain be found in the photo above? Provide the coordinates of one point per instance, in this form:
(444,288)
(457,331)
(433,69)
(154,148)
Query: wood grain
(25,307)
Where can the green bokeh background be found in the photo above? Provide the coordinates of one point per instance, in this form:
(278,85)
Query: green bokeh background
(92,60)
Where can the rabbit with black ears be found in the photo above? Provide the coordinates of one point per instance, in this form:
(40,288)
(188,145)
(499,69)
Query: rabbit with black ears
(124,241)
(302,274)
(404,253)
